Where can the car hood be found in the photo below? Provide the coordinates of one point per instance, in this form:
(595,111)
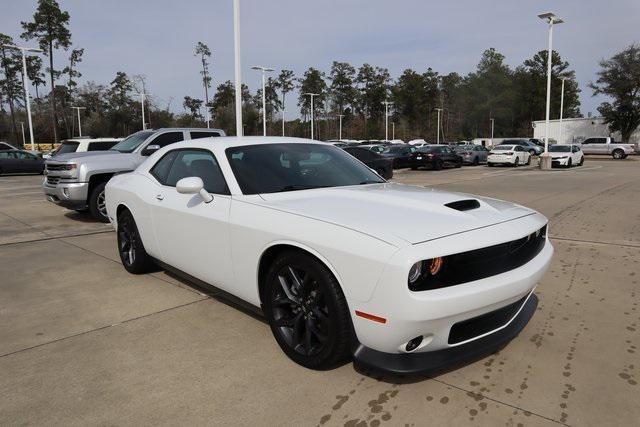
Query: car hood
(395,211)
(71,156)
(558,154)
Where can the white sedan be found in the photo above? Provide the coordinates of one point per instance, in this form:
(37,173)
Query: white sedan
(566,155)
(342,263)
(514,155)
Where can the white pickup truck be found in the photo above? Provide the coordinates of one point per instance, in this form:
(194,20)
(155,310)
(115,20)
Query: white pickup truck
(607,146)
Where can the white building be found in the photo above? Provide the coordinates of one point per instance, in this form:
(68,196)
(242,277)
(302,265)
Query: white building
(576,130)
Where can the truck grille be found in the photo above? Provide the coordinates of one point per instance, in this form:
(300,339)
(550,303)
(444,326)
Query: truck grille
(53,180)
(53,167)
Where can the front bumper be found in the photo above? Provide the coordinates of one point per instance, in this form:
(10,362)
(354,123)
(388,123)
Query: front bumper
(436,362)
(71,195)
(501,160)
(559,161)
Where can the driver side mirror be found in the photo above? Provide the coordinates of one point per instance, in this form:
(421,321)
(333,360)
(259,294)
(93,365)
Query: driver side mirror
(150,149)
(193,185)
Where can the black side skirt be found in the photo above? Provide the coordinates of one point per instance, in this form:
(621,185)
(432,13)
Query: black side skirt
(437,362)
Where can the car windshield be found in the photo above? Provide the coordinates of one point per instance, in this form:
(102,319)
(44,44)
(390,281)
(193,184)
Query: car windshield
(67,147)
(132,142)
(427,149)
(272,168)
(559,148)
(503,148)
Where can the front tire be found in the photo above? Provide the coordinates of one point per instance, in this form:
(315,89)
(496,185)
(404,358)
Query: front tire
(97,203)
(307,311)
(130,247)
(437,165)
(618,154)
(516,162)
(581,161)
(569,164)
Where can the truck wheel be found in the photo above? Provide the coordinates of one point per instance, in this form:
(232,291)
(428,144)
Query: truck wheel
(618,154)
(97,203)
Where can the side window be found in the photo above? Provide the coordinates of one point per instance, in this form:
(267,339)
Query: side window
(363,154)
(167,138)
(202,134)
(24,156)
(4,146)
(517,148)
(200,163)
(161,169)
(5,155)
(100,145)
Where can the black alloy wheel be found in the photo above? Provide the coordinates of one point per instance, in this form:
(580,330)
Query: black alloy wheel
(618,154)
(98,203)
(437,164)
(307,311)
(130,248)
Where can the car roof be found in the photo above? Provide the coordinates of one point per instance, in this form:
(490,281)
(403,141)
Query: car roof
(505,146)
(224,142)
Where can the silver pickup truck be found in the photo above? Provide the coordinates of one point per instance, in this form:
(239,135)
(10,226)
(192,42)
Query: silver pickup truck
(607,146)
(77,180)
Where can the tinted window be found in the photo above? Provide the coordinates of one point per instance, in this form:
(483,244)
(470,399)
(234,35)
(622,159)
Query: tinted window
(132,142)
(6,155)
(203,134)
(270,168)
(101,145)
(68,147)
(361,154)
(4,146)
(200,163)
(24,155)
(167,138)
(161,169)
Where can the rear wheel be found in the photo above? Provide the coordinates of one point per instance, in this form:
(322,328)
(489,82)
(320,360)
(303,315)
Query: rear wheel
(569,163)
(581,161)
(130,247)
(98,204)
(618,154)
(528,161)
(307,311)
(516,162)
(458,164)
(476,161)
(437,165)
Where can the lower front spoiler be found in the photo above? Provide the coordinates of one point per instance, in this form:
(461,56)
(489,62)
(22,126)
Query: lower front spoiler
(440,361)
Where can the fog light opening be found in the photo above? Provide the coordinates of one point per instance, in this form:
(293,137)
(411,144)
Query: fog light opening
(413,344)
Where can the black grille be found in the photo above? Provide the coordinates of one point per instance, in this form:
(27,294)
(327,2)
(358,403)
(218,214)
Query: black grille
(53,167)
(52,180)
(480,263)
(477,326)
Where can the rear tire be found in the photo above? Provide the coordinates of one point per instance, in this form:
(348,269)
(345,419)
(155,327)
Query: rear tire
(528,161)
(516,162)
(569,164)
(97,203)
(476,161)
(437,165)
(130,247)
(307,311)
(581,161)
(618,154)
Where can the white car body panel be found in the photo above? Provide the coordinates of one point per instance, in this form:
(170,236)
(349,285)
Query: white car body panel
(500,156)
(563,158)
(368,236)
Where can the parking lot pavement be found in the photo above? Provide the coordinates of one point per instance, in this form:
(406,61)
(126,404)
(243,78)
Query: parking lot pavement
(83,342)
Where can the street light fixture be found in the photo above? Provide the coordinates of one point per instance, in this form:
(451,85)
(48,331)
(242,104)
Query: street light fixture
(79,124)
(551,19)
(386,118)
(25,81)
(264,98)
(438,132)
(311,95)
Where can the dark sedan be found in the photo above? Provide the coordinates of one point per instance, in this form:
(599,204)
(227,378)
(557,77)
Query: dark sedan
(435,157)
(399,153)
(378,163)
(18,161)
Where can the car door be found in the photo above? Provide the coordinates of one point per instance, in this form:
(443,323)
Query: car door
(7,162)
(193,236)
(482,153)
(576,154)
(27,162)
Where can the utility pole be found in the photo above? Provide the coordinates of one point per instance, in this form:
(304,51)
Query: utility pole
(438,131)
(237,69)
(23,139)
(386,118)
(340,116)
(393,131)
(492,122)
(264,97)
(311,95)
(561,108)
(79,124)
(25,80)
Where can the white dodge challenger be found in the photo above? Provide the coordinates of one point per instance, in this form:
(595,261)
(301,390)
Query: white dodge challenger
(402,278)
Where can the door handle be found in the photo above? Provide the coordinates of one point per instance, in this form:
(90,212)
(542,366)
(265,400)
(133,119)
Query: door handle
(159,197)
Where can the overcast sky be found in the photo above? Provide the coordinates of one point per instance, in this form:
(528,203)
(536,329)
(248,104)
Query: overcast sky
(156,38)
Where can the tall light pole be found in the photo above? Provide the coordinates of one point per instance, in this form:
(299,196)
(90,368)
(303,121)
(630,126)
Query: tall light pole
(561,108)
(283,108)
(386,118)
(144,123)
(24,141)
(340,116)
(79,124)
(393,130)
(438,132)
(311,95)
(237,69)
(551,19)
(264,97)
(25,80)
(492,123)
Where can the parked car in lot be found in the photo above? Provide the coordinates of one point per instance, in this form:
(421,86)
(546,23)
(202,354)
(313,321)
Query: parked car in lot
(566,155)
(399,153)
(80,145)
(608,146)
(294,227)
(472,154)
(382,165)
(531,147)
(77,180)
(435,157)
(7,146)
(376,148)
(514,155)
(19,161)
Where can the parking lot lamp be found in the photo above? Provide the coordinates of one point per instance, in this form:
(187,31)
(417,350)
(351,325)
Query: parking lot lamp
(492,123)
(264,98)
(340,116)
(438,131)
(311,95)
(236,51)
(79,124)
(551,19)
(386,118)
(393,130)
(25,80)
(561,108)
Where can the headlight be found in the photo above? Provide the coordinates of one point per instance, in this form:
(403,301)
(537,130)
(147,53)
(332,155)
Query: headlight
(415,272)
(425,270)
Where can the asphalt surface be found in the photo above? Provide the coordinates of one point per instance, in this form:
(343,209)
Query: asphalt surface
(83,342)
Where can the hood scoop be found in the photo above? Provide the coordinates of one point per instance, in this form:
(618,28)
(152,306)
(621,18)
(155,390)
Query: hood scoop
(463,205)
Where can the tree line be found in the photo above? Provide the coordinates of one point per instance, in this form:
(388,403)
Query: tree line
(512,96)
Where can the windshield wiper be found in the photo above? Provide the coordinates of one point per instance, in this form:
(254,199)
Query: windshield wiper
(300,187)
